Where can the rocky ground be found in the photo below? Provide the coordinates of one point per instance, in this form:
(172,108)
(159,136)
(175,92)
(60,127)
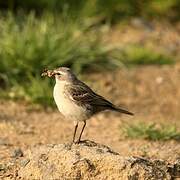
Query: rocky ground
(152,93)
(90,160)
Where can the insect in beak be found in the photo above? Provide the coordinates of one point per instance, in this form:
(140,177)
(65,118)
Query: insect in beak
(48,73)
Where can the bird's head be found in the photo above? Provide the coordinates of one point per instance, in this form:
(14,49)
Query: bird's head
(61,74)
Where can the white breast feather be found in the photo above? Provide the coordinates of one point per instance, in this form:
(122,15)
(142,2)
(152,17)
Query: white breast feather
(66,106)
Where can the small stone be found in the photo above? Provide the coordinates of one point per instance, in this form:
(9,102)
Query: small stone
(24,162)
(17,153)
(43,157)
(4,142)
(2,167)
(159,80)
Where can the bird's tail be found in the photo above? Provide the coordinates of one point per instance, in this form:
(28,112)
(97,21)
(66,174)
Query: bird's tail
(123,111)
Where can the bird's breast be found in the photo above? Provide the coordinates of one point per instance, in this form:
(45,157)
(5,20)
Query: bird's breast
(67,107)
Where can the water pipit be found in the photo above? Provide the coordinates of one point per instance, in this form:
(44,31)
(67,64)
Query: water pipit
(77,101)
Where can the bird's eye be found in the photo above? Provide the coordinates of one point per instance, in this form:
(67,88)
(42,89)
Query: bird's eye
(58,74)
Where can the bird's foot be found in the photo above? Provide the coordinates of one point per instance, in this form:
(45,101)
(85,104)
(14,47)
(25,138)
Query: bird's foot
(78,142)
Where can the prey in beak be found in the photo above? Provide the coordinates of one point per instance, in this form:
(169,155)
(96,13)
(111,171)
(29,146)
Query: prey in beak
(48,73)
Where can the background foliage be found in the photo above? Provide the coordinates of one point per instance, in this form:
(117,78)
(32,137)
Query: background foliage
(51,33)
(109,9)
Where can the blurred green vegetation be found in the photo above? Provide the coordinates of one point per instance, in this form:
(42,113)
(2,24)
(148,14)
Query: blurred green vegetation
(152,131)
(138,55)
(110,10)
(29,44)
(39,34)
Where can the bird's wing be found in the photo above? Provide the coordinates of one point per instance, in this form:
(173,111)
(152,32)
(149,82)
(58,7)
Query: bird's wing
(82,94)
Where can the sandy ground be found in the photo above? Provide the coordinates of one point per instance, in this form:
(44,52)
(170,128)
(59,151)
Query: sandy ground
(153,97)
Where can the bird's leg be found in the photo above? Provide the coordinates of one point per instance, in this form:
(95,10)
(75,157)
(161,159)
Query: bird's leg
(76,126)
(81,132)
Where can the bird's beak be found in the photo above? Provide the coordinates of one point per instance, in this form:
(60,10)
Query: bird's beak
(48,73)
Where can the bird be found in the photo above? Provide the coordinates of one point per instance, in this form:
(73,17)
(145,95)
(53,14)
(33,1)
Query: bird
(77,101)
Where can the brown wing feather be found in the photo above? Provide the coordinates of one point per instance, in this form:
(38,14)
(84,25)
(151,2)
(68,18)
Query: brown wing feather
(82,95)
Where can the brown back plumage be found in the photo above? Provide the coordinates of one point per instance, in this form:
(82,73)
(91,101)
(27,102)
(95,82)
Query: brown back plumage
(82,95)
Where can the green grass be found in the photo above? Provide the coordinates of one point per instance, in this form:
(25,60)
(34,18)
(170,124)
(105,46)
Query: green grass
(151,132)
(110,10)
(138,55)
(29,44)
